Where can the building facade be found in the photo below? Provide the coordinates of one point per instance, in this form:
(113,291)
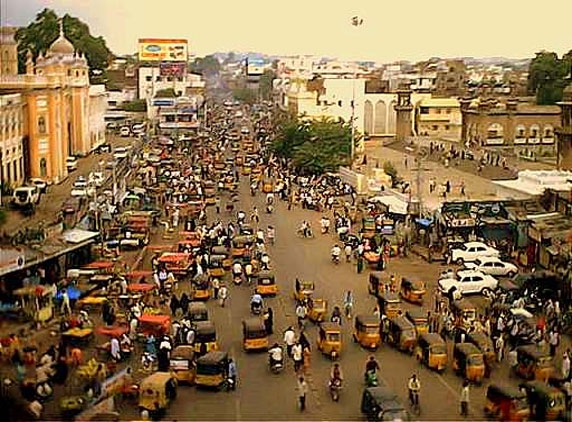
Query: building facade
(11,140)
(97,110)
(150,81)
(439,118)
(55,106)
(564,131)
(527,129)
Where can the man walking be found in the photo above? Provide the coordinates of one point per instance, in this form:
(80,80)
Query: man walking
(303,389)
(465,399)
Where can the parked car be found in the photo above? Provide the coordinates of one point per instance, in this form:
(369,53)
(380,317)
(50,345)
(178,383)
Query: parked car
(120,153)
(71,163)
(492,266)
(472,251)
(25,195)
(469,281)
(124,132)
(80,182)
(41,184)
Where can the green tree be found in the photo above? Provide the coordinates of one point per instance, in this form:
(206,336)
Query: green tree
(246,95)
(265,84)
(166,93)
(208,65)
(135,105)
(390,169)
(546,76)
(40,34)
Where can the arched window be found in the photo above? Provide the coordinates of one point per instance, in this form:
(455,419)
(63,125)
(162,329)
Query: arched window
(380,121)
(548,131)
(520,131)
(368,117)
(495,131)
(41,125)
(43,167)
(534,131)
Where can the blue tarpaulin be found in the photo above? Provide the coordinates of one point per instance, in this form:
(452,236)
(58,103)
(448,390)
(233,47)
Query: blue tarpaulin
(73,293)
(425,222)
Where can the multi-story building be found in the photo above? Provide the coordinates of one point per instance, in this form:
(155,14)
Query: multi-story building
(440,118)
(150,81)
(451,79)
(97,111)
(11,140)
(175,115)
(55,105)
(525,128)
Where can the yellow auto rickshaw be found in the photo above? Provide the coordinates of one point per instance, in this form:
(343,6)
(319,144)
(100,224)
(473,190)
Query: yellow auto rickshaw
(317,310)
(205,337)
(266,283)
(548,403)
(239,244)
(534,362)
(221,250)
(468,362)
(216,267)
(389,304)
(330,339)
(400,333)
(431,350)
(506,403)
(419,319)
(485,345)
(254,334)
(246,169)
(267,186)
(376,284)
(366,331)
(198,311)
(303,290)
(182,364)
(464,313)
(412,291)
(201,287)
(156,392)
(212,370)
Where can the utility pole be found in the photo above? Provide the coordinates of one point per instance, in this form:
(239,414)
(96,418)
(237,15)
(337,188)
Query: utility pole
(355,21)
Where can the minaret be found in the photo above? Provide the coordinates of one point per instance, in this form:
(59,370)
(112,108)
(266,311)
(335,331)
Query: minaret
(29,63)
(403,109)
(564,133)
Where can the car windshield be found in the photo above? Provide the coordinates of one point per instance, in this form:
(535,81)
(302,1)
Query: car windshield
(22,195)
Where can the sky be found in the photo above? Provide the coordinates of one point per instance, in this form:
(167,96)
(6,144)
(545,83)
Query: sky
(391,30)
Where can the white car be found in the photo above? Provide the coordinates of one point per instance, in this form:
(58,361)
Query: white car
(493,266)
(124,132)
(71,163)
(120,153)
(80,182)
(41,184)
(469,282)
(471,251)
(96,178)
(245,131)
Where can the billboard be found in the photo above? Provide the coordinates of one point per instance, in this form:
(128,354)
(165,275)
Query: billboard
(255,67)
(177,69)
(163,50)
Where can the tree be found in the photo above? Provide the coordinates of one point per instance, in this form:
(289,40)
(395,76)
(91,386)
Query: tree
(135,105)
(389,169)
(166,93)
(39,35)
(208,65)
(246,95)
(546,76)
(315,146)
(265,84)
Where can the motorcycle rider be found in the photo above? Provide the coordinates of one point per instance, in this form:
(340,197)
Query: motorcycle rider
(336,317)
(271,234)
(348,303)
(336,252)
(275,355)
(237,270)
(240,217)
(414,386)
(269,198)
(336,374)
(256,302)
(371,365)
(253,187)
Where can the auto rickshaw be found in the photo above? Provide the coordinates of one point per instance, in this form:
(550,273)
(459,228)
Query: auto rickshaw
(533,363)
(246,169)
(464,312)
(412,291)
(201,287)
(254,334)
(36,303)
(468,361)
(198,311)
(267,186)
(77,337)
(547,403)
(239,244)
(419,319)
(216,267)
(158,325)
(205,337)
(318,310)
(376,284)
(432,351)
(366,331)
(368,227)
(266,284)
(177,263)
(389,304)
(381,403)
(304,291)
(221,250)
(330,339)
(182,364)
(485,345)
(506,403)
(400,333)
(156,393)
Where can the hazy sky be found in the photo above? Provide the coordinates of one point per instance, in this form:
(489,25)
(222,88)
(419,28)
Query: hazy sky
(398,29)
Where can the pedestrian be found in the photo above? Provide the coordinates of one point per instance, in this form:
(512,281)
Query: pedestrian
(565,366)
(554,341)
(462,188)
(269,321)
(216,287)
(499,344)
(360,264)
(223,295)
(232,374)
(217,205)
(303,389)
(465,399)
(297,356)
(66,308)
(301,314)
(289,340)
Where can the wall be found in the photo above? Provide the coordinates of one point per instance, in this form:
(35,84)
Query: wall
(11,140)
(379,113)
(96,113)
(148,88)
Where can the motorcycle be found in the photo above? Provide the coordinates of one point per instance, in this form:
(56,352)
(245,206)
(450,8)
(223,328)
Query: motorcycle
(335,385)
(276,366)
(269,209)
(237,279)
(256,309)
(371,379)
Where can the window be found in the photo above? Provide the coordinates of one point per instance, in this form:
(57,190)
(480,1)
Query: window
(424,110)
(437,111)
(15,169)
(180,79)
(548,131)
(43,167)
(77,73)
(446,127)
(69,72)
(157,79)
(41,125)
(434,127)
(148,78)
(169,79)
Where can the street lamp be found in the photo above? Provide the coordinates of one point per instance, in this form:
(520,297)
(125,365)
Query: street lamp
(355,21)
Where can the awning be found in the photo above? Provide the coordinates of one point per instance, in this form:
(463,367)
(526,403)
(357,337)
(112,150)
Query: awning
(396,205)
(76,236)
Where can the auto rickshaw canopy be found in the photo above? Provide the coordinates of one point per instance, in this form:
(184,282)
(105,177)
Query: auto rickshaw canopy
(266,278)
(219,250)
(330,327)
(205,329)
(184,351)
(496,391)
(413,285)
(417,316)
(174,257)
(431,339)
(253,327)
(198,309)
(367,321)
(215,358)
(533,352)
(156,380)
(467,350)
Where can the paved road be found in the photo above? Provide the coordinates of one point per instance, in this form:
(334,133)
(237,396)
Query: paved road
(264,396)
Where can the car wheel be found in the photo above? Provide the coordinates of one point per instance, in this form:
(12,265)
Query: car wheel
(460,261)
(486,292)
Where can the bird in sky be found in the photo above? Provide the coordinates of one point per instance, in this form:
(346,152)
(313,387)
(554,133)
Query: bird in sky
(356,21)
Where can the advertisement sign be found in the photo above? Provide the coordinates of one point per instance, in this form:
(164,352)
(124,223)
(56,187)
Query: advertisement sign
(255,67)
(177,69)
(163,50)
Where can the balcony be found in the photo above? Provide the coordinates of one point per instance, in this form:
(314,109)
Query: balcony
(548,140)
(495,141)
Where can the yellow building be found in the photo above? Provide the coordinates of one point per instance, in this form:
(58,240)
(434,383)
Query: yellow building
(439,117)
(55,103)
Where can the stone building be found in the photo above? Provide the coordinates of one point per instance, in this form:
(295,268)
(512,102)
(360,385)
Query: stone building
(564,131)
(527,129)
(451,79)
(11,140)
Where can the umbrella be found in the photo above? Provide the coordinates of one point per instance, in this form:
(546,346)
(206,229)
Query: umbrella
(73,293)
